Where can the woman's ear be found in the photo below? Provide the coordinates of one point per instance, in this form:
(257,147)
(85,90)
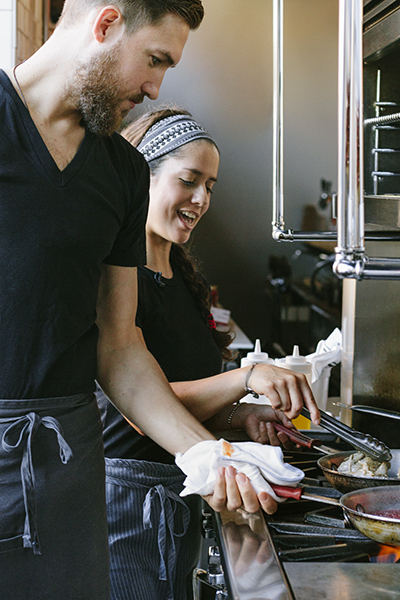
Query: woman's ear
(107,23)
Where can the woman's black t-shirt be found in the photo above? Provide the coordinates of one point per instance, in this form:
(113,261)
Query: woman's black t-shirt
(179,338)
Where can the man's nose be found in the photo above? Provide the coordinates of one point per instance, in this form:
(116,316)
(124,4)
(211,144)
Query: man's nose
(152,88)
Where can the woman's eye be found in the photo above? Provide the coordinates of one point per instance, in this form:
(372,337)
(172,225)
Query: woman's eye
(210,190)
(155,60)
(187,182)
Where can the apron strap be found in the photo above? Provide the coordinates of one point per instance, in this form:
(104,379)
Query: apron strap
(168,503)
(24,428)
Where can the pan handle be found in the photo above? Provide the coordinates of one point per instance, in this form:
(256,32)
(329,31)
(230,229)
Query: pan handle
(300,493)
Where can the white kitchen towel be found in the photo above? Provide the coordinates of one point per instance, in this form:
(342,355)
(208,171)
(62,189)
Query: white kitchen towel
(261,464)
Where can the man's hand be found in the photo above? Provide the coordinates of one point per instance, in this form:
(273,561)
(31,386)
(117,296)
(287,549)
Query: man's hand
(233,490)
(256,421)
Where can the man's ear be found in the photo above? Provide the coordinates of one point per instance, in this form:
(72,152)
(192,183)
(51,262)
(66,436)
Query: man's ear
(108,22)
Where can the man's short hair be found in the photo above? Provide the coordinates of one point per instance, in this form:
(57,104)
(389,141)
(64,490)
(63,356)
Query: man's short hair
(136,13)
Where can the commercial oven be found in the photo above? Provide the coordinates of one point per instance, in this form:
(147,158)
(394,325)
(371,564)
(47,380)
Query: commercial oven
(305,552)
(367,205)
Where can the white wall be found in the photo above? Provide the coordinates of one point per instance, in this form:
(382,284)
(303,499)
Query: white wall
(225,80)
(7,37)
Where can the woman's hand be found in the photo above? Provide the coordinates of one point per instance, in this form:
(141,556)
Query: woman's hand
(286,390)
(256,421)
(233,490)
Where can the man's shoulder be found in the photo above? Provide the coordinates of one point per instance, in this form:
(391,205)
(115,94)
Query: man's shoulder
(124,147)
(128,162)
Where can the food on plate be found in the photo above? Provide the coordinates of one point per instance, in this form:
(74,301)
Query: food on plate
(360,465)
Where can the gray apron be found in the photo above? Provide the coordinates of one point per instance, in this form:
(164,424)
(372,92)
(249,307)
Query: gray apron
(53,524)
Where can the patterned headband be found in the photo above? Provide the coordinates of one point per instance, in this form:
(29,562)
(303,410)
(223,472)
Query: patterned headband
(171,133)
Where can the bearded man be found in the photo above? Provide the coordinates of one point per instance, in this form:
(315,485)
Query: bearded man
(73,204)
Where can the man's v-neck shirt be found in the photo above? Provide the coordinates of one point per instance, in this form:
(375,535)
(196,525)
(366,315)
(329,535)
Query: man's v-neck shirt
(57,228)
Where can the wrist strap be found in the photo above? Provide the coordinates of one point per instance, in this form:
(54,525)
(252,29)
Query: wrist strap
(247,388)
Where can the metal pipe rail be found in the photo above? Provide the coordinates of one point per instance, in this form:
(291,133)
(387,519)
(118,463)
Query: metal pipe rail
(350,259)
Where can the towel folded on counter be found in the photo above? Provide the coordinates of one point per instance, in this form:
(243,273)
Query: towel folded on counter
(261,464)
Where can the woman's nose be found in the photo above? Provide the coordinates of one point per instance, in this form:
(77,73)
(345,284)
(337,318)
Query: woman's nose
(201,196)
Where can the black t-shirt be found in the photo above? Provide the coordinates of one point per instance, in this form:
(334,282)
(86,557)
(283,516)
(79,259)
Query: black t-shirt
(56,230)
(179,338)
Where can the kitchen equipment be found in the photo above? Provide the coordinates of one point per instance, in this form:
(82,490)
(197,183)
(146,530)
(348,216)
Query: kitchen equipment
(362,441)
(373,410)
(375,512)
(304,551)
(345,482)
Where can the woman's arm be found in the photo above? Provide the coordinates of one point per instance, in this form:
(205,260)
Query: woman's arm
(286,390)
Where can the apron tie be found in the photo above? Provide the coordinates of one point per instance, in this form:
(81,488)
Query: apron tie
(25,428)
(168,506)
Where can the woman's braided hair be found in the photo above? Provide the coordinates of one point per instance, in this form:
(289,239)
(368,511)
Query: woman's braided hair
(180,255)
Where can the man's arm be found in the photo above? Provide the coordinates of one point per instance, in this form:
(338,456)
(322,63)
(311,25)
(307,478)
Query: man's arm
(134,382)
(129,374)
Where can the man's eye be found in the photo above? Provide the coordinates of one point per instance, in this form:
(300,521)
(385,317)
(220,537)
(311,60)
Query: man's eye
(155,60)
(210,190)
(187,182)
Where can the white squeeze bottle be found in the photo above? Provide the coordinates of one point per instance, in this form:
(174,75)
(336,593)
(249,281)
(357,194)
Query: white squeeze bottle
(256,357)
(296,362)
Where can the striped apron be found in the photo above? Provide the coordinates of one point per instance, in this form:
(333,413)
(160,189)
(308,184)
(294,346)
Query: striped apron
(154,535)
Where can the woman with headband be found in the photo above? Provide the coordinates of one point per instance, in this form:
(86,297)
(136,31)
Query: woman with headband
(154,534)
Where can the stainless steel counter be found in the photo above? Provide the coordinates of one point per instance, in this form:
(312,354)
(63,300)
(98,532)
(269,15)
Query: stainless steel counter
(344,581)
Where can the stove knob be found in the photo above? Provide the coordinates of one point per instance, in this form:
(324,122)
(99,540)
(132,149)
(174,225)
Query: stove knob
(215,573)
(207,526)
(214,556)
(221,595)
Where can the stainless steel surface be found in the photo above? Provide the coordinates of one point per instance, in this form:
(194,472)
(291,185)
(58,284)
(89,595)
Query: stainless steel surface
(383,211)
(349,581)
(371,350)
(350,132)
(278,223)
(382,33)
(251,563)
(348,263)
(351,261)
(381,412)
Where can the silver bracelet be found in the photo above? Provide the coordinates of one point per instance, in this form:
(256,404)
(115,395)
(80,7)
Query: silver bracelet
(247,388)
(230,416)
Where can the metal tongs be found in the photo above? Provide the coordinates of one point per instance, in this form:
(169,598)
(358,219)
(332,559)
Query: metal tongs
(361,441)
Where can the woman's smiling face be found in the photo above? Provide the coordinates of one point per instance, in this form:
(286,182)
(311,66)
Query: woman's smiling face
(180,192)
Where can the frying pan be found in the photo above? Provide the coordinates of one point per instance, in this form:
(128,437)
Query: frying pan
(375,512)
(345,482)
(329,464)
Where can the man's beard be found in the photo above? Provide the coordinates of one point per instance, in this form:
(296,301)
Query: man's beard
(94,90)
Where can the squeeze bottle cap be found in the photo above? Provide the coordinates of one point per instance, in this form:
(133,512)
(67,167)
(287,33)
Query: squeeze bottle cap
(295,358)
(256,356)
